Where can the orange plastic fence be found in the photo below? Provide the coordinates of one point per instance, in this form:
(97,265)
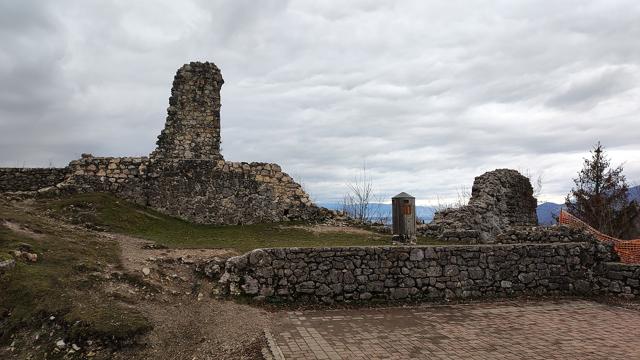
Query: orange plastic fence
(628,250)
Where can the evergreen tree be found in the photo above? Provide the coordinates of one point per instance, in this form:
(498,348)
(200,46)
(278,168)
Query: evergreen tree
(600,196)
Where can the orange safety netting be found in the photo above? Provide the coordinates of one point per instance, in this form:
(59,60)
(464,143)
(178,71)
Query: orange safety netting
(628,250)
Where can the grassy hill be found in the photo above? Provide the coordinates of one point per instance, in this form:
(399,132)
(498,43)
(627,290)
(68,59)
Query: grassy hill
(105,212)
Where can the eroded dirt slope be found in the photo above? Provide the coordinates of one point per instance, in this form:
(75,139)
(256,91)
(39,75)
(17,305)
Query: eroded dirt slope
(176,312)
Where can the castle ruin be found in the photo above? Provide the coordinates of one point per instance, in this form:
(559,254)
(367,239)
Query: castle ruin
(186,175)
(501,200)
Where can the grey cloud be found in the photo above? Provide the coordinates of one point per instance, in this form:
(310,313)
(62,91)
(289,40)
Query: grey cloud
(588,89)
(429,94)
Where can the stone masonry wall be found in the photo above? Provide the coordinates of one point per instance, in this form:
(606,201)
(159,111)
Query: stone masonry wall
(228,192)
(415,273)
(122,176)
(192,128)
(500,199)
(537,234)
(620,279)
(106,173)
(30,179)
(186,175)
(219,192)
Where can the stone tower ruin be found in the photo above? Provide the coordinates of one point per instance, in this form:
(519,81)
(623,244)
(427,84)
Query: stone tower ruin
(185,176)
(192,128)
(500,200)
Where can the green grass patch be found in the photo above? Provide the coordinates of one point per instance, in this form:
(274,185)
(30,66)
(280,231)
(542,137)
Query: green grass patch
(106,211)
(59,283)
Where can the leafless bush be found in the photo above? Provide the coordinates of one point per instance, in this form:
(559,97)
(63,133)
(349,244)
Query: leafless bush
(536,179)
(463,194)
(359,202)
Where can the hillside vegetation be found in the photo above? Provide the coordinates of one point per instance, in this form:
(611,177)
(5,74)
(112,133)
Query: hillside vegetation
(59,292)
(105,212)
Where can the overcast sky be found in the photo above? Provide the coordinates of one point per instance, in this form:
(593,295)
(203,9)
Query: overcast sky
(429,93)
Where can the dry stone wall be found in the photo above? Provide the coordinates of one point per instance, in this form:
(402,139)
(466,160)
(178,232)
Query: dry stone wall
(30,179)
(538,234)
(500,199)
(416,273)
(228,192)
(620,279)
(123,176)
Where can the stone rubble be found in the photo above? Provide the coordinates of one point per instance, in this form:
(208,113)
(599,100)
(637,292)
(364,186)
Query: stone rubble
(500,200)
(6,265)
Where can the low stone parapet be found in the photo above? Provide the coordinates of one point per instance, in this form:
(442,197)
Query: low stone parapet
(619,279)
(415,273)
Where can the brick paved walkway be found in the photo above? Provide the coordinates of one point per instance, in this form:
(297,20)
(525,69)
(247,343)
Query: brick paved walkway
(509,330)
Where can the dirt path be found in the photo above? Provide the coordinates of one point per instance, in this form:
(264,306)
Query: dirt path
(189,322)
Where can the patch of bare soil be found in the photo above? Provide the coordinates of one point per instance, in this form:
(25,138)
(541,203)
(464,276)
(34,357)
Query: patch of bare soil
(20,229)
(189,321)
(322,228)
(138,254)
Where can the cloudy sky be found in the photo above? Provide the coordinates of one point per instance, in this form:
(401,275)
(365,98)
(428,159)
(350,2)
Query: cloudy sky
(428,93)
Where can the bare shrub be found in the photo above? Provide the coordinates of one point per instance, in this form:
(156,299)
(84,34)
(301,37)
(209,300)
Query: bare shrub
(359,202)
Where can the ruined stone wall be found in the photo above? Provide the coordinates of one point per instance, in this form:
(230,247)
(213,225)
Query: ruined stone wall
(122,176)
(500,199)
(186,175)
(228,192)
(218,192)
(416,273)
(110,172)
(30,179)
(192,128)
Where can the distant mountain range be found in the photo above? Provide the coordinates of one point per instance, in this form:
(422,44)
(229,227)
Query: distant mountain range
(634,193)
(547,212)
(383,211)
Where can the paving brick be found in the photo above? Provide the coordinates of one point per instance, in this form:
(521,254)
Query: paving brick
(567,329)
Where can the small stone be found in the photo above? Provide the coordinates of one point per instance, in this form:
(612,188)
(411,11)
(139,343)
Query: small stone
(60,344)
(75,347)
(251,286)
(416,255)
(146,271)
(7,265)
(25,247)
(30,257)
